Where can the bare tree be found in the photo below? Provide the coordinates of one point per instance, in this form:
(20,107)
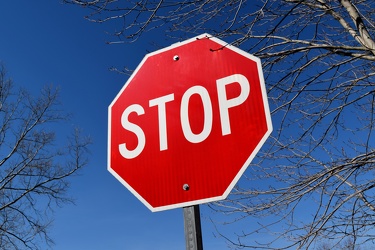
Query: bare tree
(348,244)
(314,180)
(33,169)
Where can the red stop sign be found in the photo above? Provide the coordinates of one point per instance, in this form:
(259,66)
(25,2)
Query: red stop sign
(187,123)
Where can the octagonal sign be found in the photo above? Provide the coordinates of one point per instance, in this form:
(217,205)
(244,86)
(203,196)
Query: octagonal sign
(187,123)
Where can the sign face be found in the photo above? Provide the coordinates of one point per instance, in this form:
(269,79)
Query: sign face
(187,123)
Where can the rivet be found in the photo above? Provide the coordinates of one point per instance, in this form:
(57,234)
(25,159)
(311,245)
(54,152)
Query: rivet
(186,187)
(176,58)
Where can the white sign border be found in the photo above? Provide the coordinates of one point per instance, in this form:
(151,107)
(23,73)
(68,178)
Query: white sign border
(247,162)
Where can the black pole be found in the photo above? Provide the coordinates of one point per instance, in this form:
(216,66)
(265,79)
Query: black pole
(193,229)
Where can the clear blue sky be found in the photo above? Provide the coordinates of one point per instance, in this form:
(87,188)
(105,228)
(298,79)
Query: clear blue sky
(44,42)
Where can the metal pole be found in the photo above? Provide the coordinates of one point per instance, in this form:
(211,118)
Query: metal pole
(192,226)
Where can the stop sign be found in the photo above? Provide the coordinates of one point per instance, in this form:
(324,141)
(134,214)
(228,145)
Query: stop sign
(187,123)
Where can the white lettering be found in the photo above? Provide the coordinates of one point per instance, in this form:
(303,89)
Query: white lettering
(126,124)
(160,102)
(184,114)
(225,104)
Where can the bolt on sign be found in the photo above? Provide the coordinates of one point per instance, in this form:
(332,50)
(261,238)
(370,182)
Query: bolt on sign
(187,123)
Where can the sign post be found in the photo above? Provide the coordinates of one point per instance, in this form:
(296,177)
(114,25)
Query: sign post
(192,228)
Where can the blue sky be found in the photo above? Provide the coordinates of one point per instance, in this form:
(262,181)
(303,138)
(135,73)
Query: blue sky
(44,42)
